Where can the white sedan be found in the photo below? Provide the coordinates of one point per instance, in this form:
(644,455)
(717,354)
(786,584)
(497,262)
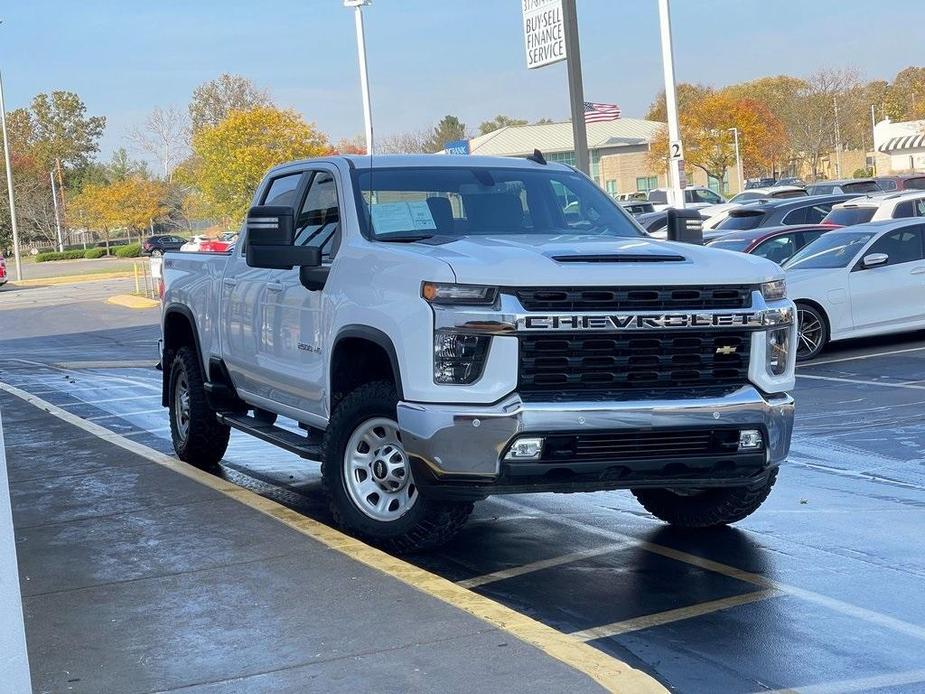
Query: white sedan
(863,280)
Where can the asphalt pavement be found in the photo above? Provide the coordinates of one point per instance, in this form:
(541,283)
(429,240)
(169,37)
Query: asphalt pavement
(819,591)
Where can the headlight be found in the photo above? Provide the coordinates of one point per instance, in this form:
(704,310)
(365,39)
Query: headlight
(778,351)
(459,359)
(774,291)
(441,293)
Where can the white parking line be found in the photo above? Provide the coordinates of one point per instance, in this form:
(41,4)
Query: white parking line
(864,684)
(846,608)
(862,382)
(539,565)
(122,414)
(669,616)
(118,379)
(860,356)
(106,400)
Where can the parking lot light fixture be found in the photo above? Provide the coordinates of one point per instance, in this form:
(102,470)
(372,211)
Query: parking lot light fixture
(9,185)
(358,6)
(735,134)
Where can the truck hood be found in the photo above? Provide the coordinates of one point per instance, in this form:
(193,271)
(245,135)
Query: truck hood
(569,260)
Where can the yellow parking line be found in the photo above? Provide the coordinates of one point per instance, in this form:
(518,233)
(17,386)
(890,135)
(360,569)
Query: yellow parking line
(538,565)
(609,672)
(864,684)
(132,301)
(871,616)
(669,616)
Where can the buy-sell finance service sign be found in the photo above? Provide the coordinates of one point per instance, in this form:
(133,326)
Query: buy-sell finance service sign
(544,32)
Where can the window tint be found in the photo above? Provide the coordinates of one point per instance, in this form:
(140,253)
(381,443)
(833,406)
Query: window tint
(861,187)
(797,216)
(742,197)
(707,196)
(742,221)
(888,184)
(915,184)
(660,197)
(820,190)
(778,249)
(815,213)
(730,244)
(902,245)
(846,216)
(783,194)
(319,220)
(831,250)
(282,190)
(807,237)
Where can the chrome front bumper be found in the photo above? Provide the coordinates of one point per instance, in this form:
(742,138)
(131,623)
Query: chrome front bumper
(470,440)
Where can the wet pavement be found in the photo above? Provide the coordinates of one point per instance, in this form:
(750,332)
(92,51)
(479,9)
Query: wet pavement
(820,590)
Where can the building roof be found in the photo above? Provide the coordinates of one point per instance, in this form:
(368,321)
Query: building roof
(557,137)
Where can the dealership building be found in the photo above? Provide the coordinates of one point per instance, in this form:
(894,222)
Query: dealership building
(619,151)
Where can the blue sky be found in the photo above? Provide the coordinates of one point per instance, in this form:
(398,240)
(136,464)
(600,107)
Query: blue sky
(427,57)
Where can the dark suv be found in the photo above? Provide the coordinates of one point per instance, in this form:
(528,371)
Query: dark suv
(810,209)
(157,245)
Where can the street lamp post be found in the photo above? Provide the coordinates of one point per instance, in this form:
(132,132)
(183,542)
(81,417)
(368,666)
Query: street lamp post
(358,6)
(54,199)
(9,185)
(735,134)
(676,153)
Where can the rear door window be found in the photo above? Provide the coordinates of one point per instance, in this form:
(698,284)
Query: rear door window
(902,245)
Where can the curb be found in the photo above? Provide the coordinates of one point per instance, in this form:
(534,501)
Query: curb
(131,301)
(72,279)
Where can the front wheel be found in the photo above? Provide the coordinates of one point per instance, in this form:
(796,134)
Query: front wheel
(157,253)
(367,476)
(705,508)
(812,332)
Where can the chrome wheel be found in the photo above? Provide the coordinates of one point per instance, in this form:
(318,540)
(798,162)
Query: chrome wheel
(376,471)
(181,401)
(811,333)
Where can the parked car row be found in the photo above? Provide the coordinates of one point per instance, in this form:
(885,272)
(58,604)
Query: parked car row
(160,244)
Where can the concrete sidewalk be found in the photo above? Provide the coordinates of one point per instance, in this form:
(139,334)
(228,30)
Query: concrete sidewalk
(139,579)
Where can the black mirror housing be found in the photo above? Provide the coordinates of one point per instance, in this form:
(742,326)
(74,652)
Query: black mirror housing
(270,239)
(685,225)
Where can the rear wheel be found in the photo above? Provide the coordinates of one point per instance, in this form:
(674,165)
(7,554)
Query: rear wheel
(367,477)
(156,253)
(705,508)
(198,437)
(812,332)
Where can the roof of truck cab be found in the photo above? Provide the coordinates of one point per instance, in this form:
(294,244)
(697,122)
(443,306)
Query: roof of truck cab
(388,161)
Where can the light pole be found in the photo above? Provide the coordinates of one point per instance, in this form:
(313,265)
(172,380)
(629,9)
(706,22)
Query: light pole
(9,185)
(735,134)
(358,6)
(54,199)
(675,149)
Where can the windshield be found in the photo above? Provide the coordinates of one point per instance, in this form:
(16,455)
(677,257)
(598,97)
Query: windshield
(846,216)
(730,244)
(831,250)
(747,220)
(410,203)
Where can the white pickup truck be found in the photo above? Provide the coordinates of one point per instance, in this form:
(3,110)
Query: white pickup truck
(437,329)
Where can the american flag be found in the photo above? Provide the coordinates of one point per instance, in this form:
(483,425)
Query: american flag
(598,113)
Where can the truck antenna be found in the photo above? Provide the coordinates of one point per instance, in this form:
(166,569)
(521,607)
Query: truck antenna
(538,157)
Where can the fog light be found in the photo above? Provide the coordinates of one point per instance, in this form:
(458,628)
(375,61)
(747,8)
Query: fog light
(525,449)
(750,439)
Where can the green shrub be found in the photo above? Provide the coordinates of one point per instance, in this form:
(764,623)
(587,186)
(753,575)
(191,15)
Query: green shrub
(93,253)
(131,250)
(56,255)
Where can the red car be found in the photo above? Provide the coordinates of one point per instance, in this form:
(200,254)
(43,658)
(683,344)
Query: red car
(774,243)
(3,276)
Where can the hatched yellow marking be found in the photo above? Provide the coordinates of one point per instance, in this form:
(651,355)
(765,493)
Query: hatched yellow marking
(611,673)
(669,616)
(132,301)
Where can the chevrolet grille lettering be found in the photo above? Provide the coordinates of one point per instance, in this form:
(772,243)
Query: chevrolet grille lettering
(647,321)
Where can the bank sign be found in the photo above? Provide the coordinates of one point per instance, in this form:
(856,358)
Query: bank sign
(544,32)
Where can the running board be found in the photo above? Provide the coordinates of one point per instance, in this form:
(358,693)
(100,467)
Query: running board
(285,439)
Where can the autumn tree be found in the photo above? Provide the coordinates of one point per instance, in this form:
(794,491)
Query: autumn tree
(213,101)
(448,129)
(56,129)
(410,142)
(232,157)
(685,95)
(351,145)
(498,122)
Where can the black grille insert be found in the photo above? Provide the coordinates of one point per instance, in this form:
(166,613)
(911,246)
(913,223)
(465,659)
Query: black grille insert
(635,298)
(582,362)
(615,446)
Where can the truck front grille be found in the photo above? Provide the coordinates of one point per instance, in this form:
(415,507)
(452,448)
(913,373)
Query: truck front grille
(640,445)
(678,359)
(635,298)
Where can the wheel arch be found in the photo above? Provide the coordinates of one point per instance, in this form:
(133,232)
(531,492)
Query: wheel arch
(370,355)
(179,330)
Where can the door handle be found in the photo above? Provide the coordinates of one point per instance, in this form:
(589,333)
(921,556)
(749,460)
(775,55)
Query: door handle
(275,286)
(230,282)
(917,271)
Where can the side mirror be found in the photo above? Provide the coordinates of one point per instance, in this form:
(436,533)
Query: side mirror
(270,239)
(685,225)
(874,259)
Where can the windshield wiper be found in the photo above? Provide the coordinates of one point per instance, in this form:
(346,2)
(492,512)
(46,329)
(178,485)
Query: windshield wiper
(404,238)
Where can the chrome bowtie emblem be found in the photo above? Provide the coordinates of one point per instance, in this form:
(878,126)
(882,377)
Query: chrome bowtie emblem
(726,350)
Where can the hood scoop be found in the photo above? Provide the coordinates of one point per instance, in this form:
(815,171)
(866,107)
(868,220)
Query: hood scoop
(619,258)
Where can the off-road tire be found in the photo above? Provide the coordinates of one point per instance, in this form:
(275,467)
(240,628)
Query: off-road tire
(813,313)
(207,439)
(426,525)
(708,508)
